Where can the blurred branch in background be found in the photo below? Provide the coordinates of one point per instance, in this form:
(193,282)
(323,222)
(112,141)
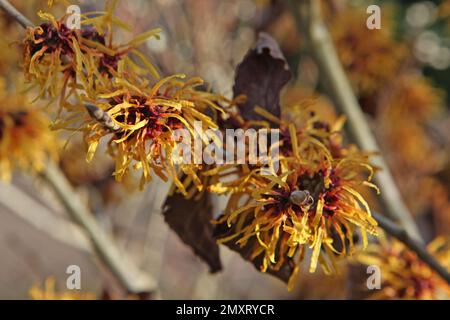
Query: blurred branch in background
(403,236)
(125,271)
(41,217)
(308,18)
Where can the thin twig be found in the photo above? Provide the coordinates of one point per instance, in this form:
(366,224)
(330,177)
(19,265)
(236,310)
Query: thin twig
(310,21)
(403,236)
(13,13)
(127,273)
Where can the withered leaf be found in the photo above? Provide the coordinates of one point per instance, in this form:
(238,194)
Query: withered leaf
(260,77)
(222,231)
(191,221)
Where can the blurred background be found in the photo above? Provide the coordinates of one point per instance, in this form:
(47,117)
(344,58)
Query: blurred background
(399,73)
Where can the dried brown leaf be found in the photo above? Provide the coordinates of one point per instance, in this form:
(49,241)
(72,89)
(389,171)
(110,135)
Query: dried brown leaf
(191,221)
(260,77)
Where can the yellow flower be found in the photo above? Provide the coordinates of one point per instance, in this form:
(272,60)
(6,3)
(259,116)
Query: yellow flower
(412,95)
(48,292)
(61,60)
(141,121)
(312,203)
(26,141)
(404,275)
(51,3)
(363,51)
(402,129)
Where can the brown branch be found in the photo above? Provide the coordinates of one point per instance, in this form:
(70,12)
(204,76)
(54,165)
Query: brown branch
(15,14)
(400,233)
(310,21)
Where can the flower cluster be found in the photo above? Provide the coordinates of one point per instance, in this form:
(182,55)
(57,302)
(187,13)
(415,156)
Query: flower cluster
(142,125)
(61,60)
(312,202)
(103,91)
(405,276)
